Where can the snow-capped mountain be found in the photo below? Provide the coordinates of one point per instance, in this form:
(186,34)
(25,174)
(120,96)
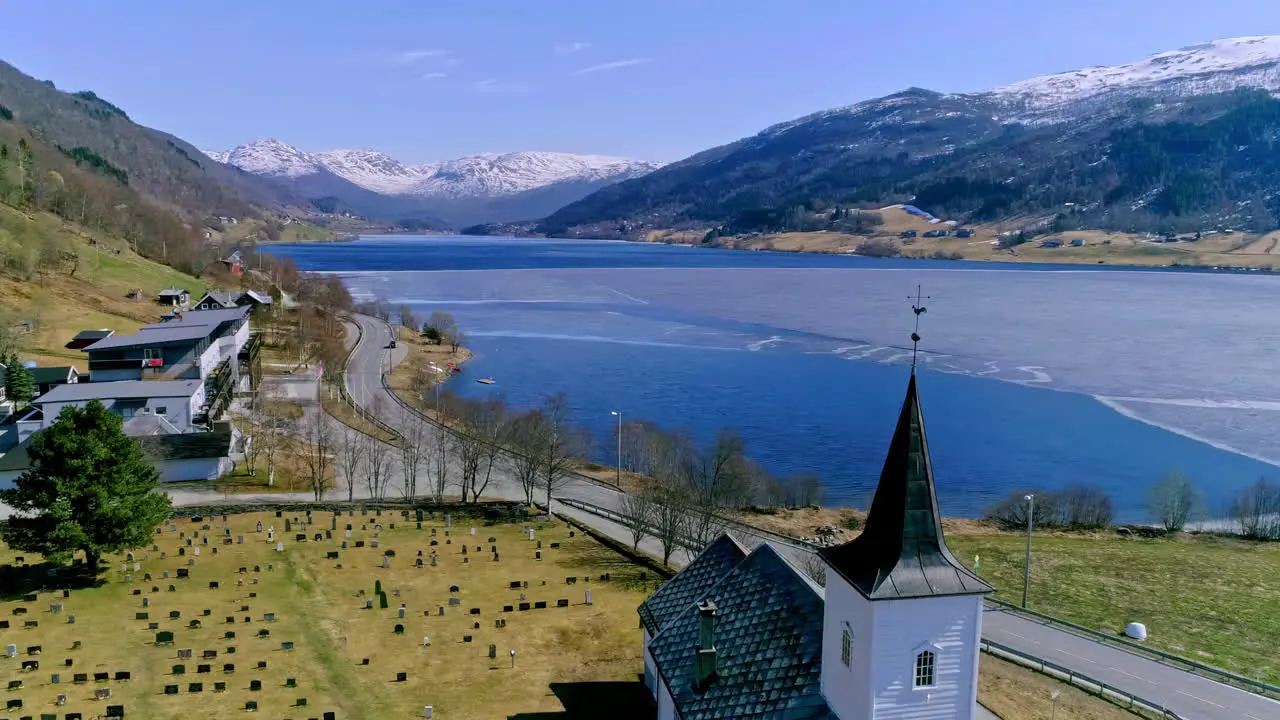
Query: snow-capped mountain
(1101,140)
(1210,67)
(489,187)
(483,175)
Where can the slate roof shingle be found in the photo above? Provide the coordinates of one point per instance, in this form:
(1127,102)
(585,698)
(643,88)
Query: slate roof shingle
(691,584)
(768,639)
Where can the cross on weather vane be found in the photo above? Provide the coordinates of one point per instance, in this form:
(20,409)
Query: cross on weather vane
(919,309)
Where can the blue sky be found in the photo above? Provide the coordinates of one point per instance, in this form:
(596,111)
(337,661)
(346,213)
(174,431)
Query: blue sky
(429,80)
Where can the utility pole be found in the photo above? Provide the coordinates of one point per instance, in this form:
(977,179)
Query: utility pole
(618,482)
(1026,568)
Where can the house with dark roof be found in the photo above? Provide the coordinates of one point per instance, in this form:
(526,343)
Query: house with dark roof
(894,634)
(210,345)
(180,402)
(48,377)
(85,338)
(215,300)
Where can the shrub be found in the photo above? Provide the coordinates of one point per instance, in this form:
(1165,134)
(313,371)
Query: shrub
(1256,509)
(1076,507)
(851,523)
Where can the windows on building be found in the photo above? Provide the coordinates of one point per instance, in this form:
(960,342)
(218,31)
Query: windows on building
(925,669)
(846,647)
(162,410)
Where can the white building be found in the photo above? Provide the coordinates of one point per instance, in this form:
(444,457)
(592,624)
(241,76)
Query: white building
(893,636)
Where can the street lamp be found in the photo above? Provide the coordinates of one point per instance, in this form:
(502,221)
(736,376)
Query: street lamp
(618,413)
(1026,568)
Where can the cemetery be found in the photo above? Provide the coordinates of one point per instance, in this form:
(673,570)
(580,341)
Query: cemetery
(329,614)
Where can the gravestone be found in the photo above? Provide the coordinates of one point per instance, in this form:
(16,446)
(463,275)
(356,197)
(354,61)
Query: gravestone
(588,597)
(524,606)
(291,682)
(399,629)
(195,687)
(562,602)
(164,637)
(402,676)
(170,689)
(493,651)
(209,654)
(255,685)
(220,686)
(540,605)
(508,608)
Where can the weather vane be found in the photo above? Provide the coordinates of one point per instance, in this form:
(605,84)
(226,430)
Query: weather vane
(919,309)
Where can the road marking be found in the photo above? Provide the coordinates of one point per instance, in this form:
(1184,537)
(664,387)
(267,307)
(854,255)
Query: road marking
(1138,677)
(1196,697)
(1010,632)
(1078,657)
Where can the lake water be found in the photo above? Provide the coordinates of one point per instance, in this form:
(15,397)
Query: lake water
(1033,376)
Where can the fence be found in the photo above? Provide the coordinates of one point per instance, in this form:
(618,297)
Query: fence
(1213,673)
(1120,697)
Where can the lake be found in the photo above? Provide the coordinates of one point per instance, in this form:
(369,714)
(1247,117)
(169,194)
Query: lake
(1033,376)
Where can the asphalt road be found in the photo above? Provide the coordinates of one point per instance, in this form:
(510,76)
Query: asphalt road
(1193,697)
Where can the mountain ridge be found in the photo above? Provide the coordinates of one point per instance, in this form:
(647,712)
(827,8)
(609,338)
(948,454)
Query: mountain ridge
(1109,143)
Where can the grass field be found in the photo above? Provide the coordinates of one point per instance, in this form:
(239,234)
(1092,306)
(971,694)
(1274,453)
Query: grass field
(1209,599)
(93,297)
(1100,246)
(1015,693)
(562,652)
(416,369)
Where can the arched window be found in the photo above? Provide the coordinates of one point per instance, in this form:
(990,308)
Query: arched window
(925,663)
(846,648)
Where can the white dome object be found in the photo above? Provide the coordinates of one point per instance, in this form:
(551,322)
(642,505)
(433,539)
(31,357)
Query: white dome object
(1137,631)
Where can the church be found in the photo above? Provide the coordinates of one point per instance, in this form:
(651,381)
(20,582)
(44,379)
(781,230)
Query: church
(742,633)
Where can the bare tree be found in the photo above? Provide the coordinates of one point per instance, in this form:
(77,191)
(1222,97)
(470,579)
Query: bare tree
(414,438)
(715,478)
(353,445)
(315,449)
(1173,500)
(443,323)
(379,461)
(525,433)
(253,421)
(815,567)
(271,433)
(637,512)
(1256,509)
(482,432)
(669,519)
(562,445)
(494,425)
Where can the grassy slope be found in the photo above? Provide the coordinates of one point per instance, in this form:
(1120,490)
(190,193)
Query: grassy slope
(94,297)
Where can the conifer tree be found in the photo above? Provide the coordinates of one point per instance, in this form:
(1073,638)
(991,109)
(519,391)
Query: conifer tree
(20,384)
(90,488)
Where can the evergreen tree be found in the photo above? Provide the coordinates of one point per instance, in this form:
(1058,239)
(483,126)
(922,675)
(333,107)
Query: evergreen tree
(20,384)
(89,489)
(27,171)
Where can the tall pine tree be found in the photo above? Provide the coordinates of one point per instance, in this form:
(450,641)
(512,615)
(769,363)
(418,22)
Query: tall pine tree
(20,384)
(89,489)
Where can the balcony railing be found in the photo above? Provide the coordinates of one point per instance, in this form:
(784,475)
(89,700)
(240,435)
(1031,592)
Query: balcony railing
(218,389)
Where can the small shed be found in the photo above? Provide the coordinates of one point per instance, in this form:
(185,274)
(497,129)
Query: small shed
(1077,242)
(174,297)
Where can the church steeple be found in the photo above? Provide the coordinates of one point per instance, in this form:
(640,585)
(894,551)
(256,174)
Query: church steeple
(901,552)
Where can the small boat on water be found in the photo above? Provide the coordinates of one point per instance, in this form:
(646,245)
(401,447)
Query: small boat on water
(485,381)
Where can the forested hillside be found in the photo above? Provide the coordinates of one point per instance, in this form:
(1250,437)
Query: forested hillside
(1199,162)
(96,133)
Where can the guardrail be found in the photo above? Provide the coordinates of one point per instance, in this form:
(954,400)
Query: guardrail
(1214,673)
(1111,693)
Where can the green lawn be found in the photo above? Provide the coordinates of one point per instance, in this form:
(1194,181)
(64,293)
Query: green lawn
(1210,599)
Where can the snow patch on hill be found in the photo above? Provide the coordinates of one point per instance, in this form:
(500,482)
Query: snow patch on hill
(1236,62)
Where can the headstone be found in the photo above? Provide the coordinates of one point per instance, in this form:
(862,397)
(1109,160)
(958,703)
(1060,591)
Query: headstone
(402,676)
(493,651)
(562,602)
(588,597)
(279,547)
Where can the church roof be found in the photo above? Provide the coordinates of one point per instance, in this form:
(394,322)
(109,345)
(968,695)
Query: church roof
(768,640)
(901,552)
(691,584)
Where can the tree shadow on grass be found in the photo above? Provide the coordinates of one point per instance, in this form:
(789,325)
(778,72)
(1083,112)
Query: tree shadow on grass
(594,700)
(593,559)
(19,580)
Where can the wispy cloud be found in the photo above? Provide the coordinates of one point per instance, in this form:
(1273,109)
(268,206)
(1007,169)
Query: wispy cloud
(433,76)
(495,86)
(610,66)
(570,48)
(411,57)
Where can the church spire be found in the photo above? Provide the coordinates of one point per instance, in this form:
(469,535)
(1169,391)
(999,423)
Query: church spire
(901,552)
